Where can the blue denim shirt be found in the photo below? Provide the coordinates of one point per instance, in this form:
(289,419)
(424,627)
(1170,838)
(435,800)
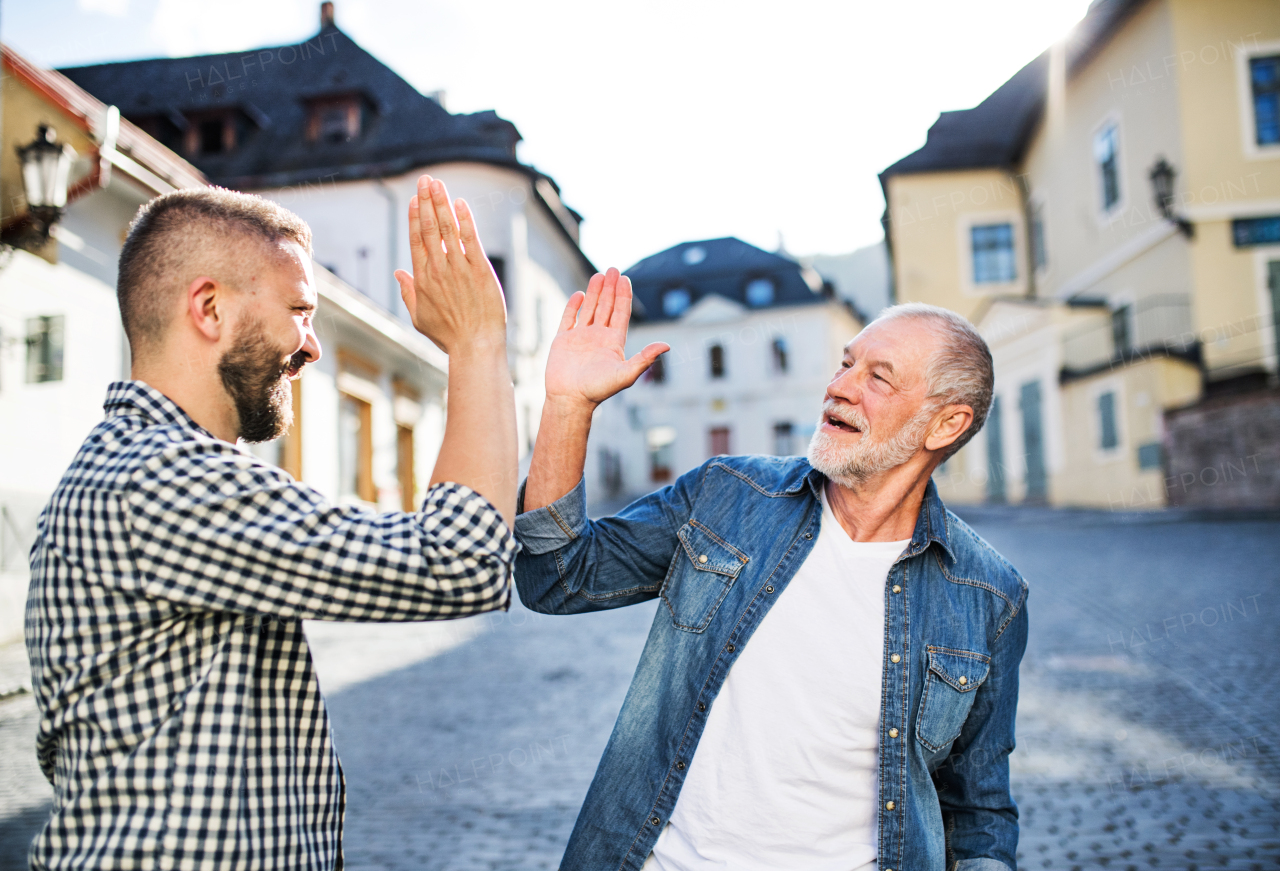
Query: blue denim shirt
(718,547)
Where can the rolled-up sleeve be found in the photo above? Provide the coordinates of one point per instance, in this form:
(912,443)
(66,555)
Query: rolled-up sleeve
(213,529)
(553,526)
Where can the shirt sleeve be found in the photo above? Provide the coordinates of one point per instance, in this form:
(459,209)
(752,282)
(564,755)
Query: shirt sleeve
(214,529)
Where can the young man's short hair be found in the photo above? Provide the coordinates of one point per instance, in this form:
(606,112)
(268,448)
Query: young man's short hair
(181,235)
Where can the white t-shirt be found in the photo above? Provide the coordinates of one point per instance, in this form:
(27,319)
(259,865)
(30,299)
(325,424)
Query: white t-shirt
(786,774)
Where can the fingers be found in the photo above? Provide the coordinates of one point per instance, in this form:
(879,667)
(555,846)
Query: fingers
(471,247)
(417,250)
(621,305)
(594,286)
(604,307)
(428,228)
(407,292)
(570,316)
(447,223)
(644,359)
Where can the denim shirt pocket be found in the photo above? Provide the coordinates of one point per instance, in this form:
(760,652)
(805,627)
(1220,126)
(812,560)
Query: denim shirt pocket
(701,573)
(953,678)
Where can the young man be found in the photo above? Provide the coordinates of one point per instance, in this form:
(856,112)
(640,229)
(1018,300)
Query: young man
(831,678)
(181,722)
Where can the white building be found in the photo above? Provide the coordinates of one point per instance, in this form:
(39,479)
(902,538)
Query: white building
(330,132)
(369,414)
(754,337)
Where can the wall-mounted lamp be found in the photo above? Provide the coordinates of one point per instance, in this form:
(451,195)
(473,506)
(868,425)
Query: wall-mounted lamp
(46,168)
(1162,176)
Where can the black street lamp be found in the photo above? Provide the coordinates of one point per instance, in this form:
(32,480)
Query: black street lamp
(1162,176)
(46,169)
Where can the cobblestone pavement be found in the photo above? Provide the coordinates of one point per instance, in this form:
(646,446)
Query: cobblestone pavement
(1148,724)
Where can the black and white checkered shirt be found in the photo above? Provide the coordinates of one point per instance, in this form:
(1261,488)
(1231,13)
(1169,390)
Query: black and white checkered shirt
(181,722)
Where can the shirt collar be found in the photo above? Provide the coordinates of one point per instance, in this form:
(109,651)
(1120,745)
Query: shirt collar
(140,398)
(931,524)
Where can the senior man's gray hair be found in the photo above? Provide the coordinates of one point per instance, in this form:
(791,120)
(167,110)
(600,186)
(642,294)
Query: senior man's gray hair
(960,372)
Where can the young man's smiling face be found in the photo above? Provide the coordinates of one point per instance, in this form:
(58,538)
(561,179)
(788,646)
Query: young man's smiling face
(274,337)
(876,411)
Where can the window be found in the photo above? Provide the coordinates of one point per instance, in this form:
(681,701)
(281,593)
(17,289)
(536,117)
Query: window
(760,292)
(661,443)
(1109,434)
(404,468)
(657,371)
(1150,456)
(500,269)
(993,256)
(784,439)
(1106,154)
(1039,253)
(286,451)
(1264,76)
(46,341)
(718,440)
(1256,231)
(355,449)
(1121,337)
(611,472)
(675,302)
(695,255)
(334,119)
(716,356)
(779,352)
(212,133)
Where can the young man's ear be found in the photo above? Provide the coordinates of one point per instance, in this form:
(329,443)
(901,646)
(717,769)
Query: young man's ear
(205,297)
(953,422)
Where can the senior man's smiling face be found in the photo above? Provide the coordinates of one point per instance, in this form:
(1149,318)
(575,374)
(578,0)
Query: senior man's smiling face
(876,412)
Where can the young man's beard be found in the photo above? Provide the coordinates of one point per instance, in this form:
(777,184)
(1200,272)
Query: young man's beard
(256,376)
(854,465)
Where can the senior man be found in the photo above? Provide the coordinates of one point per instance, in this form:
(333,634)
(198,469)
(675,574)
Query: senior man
(181,722)
(831,678)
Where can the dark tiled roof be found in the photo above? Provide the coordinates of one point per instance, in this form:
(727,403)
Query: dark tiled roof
(271,87)
(727,265)
(996,132)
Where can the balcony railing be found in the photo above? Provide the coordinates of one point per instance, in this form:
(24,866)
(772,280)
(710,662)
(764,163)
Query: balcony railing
(1155,325)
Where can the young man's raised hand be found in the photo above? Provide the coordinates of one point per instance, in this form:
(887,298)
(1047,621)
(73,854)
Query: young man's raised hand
(586,366)
(454,299)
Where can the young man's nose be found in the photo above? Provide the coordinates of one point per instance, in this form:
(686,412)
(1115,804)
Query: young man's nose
(311,346)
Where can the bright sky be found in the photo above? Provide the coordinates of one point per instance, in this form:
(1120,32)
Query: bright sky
(663,121)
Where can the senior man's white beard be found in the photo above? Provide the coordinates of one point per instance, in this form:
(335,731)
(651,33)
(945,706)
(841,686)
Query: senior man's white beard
(852,465)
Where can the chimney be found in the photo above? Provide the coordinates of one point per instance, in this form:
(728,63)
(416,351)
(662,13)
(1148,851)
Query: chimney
(326,15)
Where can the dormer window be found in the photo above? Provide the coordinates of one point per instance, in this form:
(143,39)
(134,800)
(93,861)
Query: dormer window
(334,120)
(213,133)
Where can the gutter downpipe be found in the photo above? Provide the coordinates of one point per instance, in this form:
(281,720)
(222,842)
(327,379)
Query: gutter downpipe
(393,253)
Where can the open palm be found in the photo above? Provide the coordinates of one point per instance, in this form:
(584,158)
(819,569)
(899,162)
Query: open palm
(588,362)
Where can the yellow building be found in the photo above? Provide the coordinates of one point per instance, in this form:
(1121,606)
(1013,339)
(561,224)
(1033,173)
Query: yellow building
(1110,219)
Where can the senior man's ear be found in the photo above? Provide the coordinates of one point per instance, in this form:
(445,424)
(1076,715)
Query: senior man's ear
(952,422)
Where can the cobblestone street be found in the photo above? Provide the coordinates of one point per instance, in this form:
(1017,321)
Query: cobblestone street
(1149,722)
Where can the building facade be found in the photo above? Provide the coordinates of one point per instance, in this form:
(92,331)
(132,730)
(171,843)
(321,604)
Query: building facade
(368,416)
(1110,219)
(755,338)
(333,134)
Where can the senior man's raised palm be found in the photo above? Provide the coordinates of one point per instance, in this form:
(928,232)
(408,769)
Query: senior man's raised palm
(588,361)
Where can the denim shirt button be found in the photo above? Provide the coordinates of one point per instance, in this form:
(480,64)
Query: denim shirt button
(897,589)
(701,706)
(730,648)
(893,733)
(895,658)
(654,820)
(888,805)
(703,559)
(808,535)
(769,588)
(680,765)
